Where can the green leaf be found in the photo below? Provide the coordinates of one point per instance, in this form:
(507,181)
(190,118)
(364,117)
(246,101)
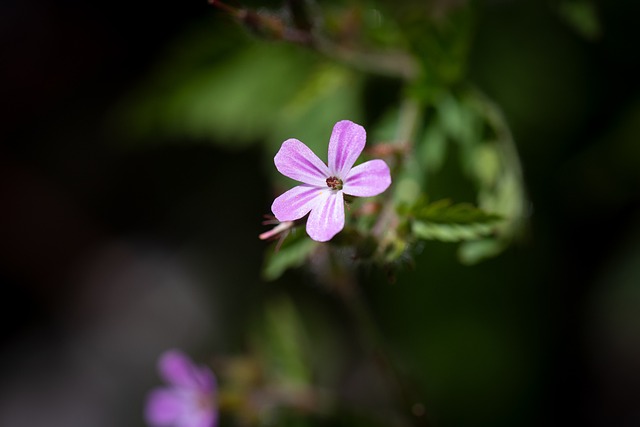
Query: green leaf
(445,212)
(231,100)
(475,251)
(281,341)
(488,157)
(494,165)
(450,232)
(432,149)
(458,120)
(582,16)
(440,41)
(291,254)
(448,222)
(328,94)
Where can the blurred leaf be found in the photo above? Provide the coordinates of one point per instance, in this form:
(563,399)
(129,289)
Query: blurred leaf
(407,189)
(329,93)
(408,181)
(254,92)
(364,23)
(280,342)
(441,41)
(432,149)
(488,156)
(292,253)
(385,130)
(582,16)
(236,99)
(486,164)
(494,165)
(449,222)
(474,251)
(459,122)
(450,232)
(382,29)
(445,212)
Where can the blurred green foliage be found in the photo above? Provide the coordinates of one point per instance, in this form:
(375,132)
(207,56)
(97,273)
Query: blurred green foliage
(436,131)
(467,337)
(293,253)
(582,16)
(445,221)
(382,326)
(268,92)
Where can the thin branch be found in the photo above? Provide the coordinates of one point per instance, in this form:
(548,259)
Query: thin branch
(391,63)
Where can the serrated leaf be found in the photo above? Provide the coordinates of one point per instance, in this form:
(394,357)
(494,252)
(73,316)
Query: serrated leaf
(448,222)
(292,254)
(495,167)
(445,212)
(487,156)
(450,232)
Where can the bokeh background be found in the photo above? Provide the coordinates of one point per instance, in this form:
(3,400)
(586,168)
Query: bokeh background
(116,246)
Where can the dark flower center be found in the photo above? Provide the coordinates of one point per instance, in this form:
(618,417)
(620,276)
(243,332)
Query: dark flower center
(334,183)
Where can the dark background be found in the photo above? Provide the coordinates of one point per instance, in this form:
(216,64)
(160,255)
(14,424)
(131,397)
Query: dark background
(111,253)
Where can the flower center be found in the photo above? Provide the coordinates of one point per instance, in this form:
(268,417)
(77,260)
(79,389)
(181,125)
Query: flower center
(334,183)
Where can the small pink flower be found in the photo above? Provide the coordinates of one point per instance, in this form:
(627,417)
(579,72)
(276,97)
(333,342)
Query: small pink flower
(322,189)
(190,399)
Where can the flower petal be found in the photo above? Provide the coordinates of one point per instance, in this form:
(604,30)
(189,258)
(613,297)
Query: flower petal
(368,179)
(164,407)
(206,380)
(200,418)
(296,161)
(177,369)
(346,143)
(297,202)
(327,217)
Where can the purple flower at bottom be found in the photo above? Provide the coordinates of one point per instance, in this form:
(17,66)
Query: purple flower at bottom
(190,398)
(323,186)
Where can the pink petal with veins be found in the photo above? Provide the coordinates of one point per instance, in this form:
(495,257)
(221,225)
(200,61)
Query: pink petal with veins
(327,218)
(368,179)
(345,146)
(296,161)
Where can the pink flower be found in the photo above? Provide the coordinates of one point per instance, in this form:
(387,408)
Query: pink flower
(322,189)
(190,399)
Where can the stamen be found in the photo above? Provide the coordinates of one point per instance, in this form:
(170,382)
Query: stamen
(334,183)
